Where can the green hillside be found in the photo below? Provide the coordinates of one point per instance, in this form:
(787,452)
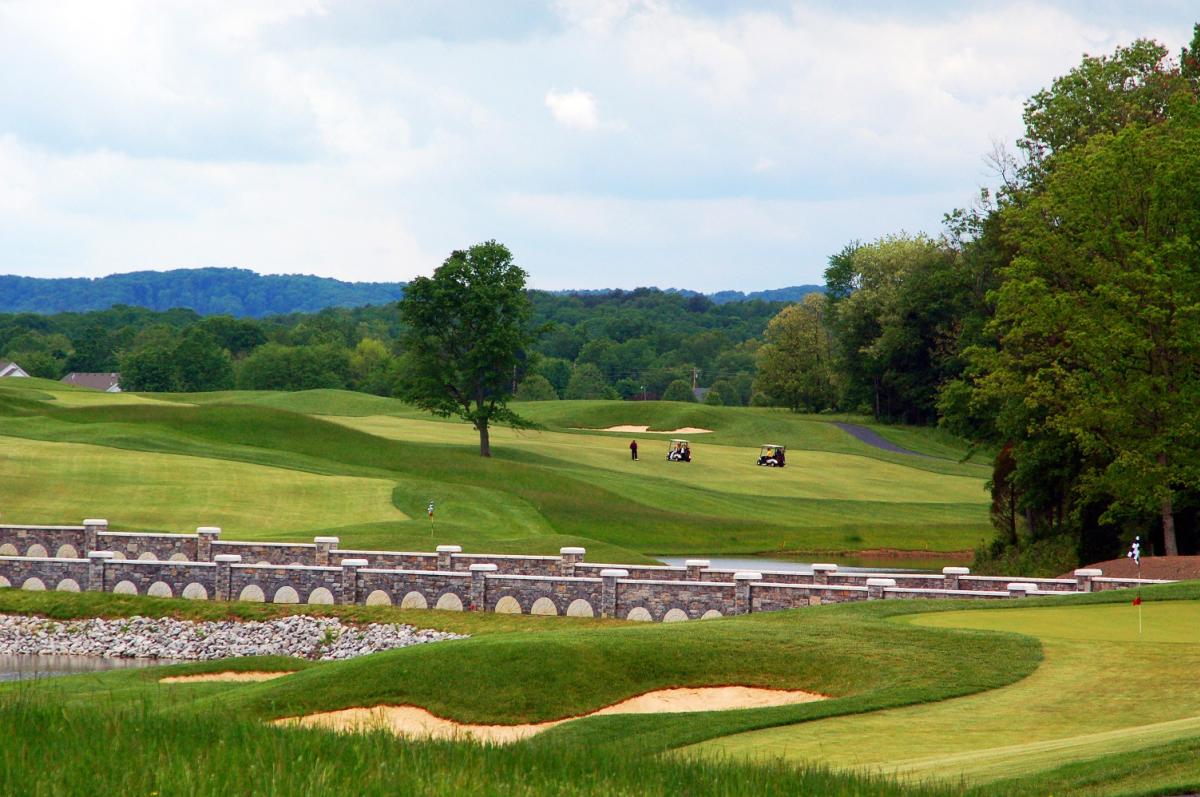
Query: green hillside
(267,465)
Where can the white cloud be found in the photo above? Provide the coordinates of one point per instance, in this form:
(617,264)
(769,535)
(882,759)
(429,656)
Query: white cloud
(573,109)
(754,141)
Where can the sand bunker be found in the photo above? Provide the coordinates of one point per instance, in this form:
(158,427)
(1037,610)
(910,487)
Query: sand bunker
(221,676)
(646,430)
(417,723)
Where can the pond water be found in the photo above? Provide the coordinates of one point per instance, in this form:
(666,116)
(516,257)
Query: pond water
(28,667)
(845,564)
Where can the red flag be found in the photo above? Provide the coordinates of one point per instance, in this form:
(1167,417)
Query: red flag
(1137,601)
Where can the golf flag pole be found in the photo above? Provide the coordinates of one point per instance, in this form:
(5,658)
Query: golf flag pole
(431,518)
(1135,553)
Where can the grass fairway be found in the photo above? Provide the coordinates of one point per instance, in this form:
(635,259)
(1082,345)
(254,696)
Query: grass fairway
(1102,690)
(66,482)
(900,675)
(285,465)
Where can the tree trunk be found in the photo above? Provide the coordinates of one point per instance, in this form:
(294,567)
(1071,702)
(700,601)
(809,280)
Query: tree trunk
(1170,548)
(485,444)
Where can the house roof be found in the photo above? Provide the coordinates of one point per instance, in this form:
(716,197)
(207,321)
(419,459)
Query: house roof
(10,368)
(99,381)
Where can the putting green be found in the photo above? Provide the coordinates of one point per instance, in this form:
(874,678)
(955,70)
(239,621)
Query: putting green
(720,468)
(1101,689)
(172,492)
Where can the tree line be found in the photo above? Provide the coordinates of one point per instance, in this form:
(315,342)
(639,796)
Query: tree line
(1057,321)
(644,343)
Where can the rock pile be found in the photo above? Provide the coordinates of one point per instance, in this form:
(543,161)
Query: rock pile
(303,636)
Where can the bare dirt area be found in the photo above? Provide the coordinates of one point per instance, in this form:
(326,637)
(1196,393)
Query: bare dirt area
(1178,568)
(415,722)
(222,677)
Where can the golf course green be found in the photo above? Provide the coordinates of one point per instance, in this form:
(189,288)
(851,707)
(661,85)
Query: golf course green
(287,465)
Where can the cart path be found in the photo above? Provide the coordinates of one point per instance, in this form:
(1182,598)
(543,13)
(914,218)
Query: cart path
(874,439)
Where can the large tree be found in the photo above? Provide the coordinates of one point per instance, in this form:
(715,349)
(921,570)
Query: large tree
(467,338)
(795,364)
(1098,314)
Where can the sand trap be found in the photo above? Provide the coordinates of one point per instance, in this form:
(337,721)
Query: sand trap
(221,676)
(646,430)
(417,723)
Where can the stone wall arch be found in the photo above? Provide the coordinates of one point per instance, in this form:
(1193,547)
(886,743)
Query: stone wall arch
(414,600)
(66,551)
(639,614)
(37,549)
(160,589)
(178,557)
(252,592)
(4,582)
(675,615)
(508,605)
(449,602)
(286,594)
(68,585)
(580,608)
(8,549)
(711,614)
(544,606)
(125,588)
(118,554)
(195,592)
(320,597)
(34,584)
(147,556)
(379,598)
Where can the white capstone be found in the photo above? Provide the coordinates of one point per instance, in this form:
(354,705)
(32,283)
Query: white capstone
(1089,571)
(449,549)
(95,522)
(956,571)
(1022,586)
(354,563)
(614,572)
(101,554)
(572,549)
(327,540)
(228,557)
(881,582)
(747,575)
(697,563)
(484,568)
(213,530)
(824,567)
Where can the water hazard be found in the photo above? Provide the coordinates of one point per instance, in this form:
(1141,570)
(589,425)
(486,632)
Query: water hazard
(845,564)
(30,666)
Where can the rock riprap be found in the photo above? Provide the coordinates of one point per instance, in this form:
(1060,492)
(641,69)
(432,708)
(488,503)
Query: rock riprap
(302,636)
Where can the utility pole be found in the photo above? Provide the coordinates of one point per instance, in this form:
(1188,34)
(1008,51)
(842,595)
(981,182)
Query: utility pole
(695,376)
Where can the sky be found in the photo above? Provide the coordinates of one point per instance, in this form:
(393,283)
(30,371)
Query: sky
(702,144)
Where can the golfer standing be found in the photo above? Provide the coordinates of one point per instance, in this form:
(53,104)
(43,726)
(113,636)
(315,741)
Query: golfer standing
(633,450)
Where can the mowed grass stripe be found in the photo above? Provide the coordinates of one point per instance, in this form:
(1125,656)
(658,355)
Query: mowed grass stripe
(43,482)
(1095,688)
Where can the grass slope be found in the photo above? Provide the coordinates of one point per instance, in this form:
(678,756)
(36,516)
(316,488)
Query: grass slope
(543,489)
(1090,698)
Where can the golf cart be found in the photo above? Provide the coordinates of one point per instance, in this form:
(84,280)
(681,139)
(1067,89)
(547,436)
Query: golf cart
(679,451)
(772,455)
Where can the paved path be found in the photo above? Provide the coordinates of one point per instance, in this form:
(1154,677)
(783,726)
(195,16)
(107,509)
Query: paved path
(873,438)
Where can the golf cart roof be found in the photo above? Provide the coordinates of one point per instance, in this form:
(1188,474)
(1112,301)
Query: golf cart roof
(773,445)
(678,440)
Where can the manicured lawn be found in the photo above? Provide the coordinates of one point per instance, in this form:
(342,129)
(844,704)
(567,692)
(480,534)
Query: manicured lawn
(544,489)
(1101,690)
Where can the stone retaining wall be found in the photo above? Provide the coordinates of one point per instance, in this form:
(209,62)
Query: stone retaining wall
(202,566)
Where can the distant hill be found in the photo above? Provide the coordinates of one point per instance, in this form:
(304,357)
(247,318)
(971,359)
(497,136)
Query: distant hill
(241,292)
(208,291)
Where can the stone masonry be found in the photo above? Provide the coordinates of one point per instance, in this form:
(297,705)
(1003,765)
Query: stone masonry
(202,566)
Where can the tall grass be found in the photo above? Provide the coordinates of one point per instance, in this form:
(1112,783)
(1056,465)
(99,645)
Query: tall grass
(140,751)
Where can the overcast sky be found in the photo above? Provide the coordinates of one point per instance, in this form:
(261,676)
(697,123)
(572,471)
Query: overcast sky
(708,144)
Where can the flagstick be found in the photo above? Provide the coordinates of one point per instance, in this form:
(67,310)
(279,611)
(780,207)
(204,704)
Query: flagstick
(1139,594)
